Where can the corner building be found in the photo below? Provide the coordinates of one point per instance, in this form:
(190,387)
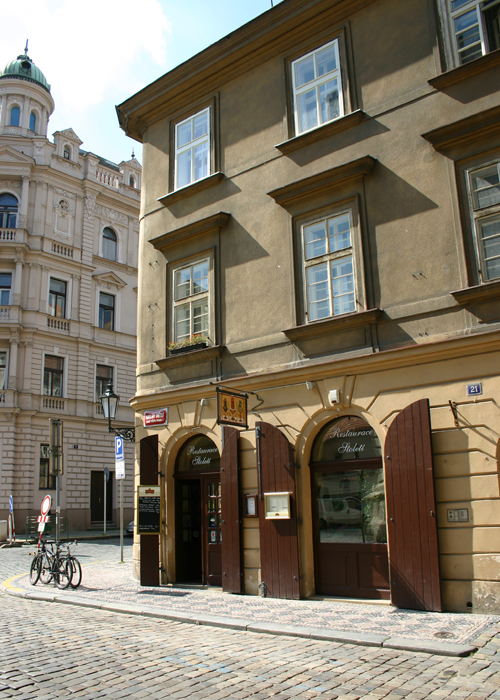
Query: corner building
(69,228)
(321,205)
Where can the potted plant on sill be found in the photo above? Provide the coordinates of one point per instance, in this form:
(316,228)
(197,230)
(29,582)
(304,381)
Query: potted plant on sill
(194,342)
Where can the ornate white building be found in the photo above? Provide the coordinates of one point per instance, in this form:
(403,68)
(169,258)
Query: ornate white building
(68,293)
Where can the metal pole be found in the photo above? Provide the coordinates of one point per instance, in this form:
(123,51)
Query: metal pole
(58,507)
(105,499)
(121,520)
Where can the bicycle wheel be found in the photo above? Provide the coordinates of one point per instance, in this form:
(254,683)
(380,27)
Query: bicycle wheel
(46,569)
(35,569)
(63,572)
(77,572)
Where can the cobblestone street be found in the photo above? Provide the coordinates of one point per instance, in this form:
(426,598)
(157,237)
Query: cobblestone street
(50,650)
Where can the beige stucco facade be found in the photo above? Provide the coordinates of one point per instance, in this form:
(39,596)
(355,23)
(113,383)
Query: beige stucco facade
(426,318)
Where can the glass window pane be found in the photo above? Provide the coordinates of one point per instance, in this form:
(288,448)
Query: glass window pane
(107,300)
(466,21)
(315,239)
(201,125)
(201,161)
(308,111)
(184,168)
(5,279)
(182,322)
(15,116)
(326,60)
(200,277)
(56,384)
(457,4)
(317,292)
(304,71)
(182,283)
(57,286)
(4,297)
(200,318)
(184,133)
(486,187)
(329,100)
(339,232)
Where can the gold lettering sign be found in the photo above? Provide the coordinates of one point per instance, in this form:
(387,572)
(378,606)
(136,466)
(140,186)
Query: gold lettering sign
(231,408)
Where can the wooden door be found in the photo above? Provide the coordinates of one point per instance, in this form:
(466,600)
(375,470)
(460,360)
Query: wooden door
(211,531)
(411,511)
(97,496)
(279,553)
(150,546)
(188,531)
(232,579)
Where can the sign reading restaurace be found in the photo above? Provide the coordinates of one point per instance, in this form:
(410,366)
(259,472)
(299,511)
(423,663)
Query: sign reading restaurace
(157,417)
(231,408)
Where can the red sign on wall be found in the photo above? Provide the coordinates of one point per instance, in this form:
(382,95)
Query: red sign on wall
(158,417)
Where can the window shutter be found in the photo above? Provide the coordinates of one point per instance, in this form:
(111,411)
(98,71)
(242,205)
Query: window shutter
(150,548)
(279,553)
(231,519)
(411,511)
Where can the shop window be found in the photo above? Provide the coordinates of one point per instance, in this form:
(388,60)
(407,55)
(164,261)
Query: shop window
(317,87)
(45,480)
(57,298)
(484,198)
(329,263)
(5,287)
(192,149)
(109,244)
(15,116)
(103,375)
(3,369)
(53,376)
(8,211)
(191,296)
(106,311)
(33,121)
(475,27)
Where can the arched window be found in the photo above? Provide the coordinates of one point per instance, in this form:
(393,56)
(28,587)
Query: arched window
(8,211)
(131,181)
(109,244)
(15,116)
(67,152)
(33,121)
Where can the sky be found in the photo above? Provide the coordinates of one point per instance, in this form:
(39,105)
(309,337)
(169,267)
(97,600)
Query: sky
(97,53)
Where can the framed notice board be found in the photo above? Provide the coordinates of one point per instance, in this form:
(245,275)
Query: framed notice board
(149,510)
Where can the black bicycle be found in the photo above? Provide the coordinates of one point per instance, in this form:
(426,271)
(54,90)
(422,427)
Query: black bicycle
(50,563)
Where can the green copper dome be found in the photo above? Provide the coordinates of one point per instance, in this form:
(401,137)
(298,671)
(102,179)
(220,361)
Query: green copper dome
(23,68)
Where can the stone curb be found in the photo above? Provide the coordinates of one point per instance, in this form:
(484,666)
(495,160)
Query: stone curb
(337,636)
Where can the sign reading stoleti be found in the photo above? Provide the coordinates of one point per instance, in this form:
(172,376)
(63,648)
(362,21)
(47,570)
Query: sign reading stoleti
(231,408)
(158,417)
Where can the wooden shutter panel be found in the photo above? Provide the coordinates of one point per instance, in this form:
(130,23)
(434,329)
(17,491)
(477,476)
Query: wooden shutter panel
(231,519)
(411,511)
(150,549)
(279,552)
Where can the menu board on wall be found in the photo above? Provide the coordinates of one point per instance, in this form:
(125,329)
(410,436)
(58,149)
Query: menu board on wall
(149,510)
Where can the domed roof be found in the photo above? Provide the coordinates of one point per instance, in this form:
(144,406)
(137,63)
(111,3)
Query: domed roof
(23,68)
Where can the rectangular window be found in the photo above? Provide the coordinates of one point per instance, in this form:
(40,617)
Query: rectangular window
(317,87)
(103,375)
(3,366)
(46,480)
(57,298)
(106,311)
(192,149)
(475,26)
(484,188)
(191,300)
(53,376)
(329,267)
(5,286)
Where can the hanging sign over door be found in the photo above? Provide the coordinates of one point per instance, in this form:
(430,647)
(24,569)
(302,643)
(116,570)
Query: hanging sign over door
(231,408)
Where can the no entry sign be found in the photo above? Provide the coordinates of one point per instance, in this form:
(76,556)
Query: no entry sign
(46,505)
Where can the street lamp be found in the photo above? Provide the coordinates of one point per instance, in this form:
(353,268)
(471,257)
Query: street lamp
(109,405)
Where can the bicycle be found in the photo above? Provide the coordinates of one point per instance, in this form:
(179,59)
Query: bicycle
(76,578)
(49,564)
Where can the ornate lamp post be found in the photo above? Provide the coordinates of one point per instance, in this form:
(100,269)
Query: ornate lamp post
(109,405)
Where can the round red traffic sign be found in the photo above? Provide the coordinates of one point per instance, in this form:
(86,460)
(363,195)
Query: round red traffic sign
(46,505)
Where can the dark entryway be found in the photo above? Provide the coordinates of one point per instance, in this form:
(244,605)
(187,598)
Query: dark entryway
(198,521)
(350,538)
(97,497)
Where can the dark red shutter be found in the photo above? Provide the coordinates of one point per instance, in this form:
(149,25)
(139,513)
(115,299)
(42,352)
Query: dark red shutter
(231,519)
(150,550)
(411,511)
(279,552)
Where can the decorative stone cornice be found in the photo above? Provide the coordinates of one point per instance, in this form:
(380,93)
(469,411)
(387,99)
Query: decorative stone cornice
(489,291)
(191,190)
(466,132)
(89,206)
(203,226)
(111,214)
(468,70)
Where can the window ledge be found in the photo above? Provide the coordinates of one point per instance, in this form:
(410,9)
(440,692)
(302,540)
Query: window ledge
(317,329)
(321,132)
(468,70)
(192,357)
(197,228)
(466,132)
(192,189)
(489,291)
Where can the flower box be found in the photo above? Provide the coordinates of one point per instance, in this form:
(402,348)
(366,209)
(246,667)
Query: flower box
(187,348)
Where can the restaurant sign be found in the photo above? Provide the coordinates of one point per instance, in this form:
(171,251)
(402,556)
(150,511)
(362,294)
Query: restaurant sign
(231,408)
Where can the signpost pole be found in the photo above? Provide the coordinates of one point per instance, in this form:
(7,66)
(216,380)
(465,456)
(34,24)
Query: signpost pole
(121,521)
(120,475)
(105,499)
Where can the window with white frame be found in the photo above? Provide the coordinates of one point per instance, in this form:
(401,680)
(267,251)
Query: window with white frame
(57,298)
(109,244)
(475,27)
(192,149)
(3,368)
(5,287)
(484,190)
(191,301)
(330,287)
(317,87)
(53,375)
(8,210)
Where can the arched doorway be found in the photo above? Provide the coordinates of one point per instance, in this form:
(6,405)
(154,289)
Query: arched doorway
(350,536)
(198,556)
